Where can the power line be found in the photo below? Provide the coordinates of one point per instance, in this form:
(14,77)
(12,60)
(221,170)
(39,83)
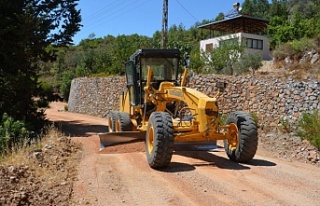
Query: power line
(101,19)
(187,10)
(100,11)
(115,8)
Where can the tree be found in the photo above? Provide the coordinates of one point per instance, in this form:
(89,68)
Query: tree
(256,8)
(219,17)
(196,62)
(223,58)
(28,27)
(278,8)
(249,61)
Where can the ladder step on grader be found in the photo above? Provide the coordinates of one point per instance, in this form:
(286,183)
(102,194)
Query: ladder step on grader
(156,106)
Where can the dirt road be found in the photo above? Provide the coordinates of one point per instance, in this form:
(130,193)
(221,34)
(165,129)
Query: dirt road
(111,177)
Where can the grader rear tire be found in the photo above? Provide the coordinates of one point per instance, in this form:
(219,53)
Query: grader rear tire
(112,117)
(159,140)
(244,147)
(123,122)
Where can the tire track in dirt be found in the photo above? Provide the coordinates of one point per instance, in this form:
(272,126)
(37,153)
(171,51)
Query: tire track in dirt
(190,181)
(143,187)
(193,178)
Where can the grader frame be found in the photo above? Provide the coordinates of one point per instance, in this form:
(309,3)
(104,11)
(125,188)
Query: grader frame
(157,106)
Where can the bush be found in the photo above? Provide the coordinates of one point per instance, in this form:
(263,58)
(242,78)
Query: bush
(284,125)
(12,133)
(248,61)
(302,45)
(295,47)
(66,84)
(308,128)
(283,51)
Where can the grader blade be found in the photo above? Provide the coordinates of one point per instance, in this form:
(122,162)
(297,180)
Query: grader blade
(113,138)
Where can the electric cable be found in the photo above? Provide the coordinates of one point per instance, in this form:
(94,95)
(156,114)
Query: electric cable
(111,16)
(187,10)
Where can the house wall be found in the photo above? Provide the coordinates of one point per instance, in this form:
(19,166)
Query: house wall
(266,54)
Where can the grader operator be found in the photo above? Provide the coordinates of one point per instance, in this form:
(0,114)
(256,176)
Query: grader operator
(157,106)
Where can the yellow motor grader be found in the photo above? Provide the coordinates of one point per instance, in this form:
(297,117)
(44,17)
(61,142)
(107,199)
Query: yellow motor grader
(157,106)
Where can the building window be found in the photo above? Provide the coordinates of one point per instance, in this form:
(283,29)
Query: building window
(253,43)
(209,47)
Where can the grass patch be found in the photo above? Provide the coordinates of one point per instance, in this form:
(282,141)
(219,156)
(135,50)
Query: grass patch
(42,172)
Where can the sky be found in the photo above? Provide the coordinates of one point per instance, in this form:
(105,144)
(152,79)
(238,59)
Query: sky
(143,17)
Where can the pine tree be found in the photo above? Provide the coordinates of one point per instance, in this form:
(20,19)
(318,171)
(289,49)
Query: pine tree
(28,27)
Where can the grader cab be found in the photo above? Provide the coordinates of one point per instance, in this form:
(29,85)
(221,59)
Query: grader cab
(157,106)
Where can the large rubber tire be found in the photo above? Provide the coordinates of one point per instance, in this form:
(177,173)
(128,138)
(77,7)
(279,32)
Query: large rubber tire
(159,140)
(112,117)
(123,122)
(247,137)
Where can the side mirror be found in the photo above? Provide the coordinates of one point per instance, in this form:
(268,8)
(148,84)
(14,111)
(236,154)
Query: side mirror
(187,61)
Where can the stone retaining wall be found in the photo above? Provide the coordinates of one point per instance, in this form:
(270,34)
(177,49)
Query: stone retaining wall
(271,100)
(95,96)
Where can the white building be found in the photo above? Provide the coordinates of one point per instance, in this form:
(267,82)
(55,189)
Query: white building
(246,29)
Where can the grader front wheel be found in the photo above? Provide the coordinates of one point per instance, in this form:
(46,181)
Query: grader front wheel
(159,140)
(243,145)
(112,117)
(123,122)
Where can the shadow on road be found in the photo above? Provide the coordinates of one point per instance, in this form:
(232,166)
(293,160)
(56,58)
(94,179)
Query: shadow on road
(209,159)
(259,162)
(178,167)
(78,129)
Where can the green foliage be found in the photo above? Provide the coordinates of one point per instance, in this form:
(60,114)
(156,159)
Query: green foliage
(282,51)
(292,20)
(222,60)
(46,94)
(248,61)
(256,8)
(255,117)
(66,84)
(285,126)
(30,33)
(219,17)
(101,74)
(308,128)
(196,62)
(302,45)
(222,118)
(293,47)
(12,133)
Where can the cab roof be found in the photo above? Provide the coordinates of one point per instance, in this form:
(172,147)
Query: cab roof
(161,53)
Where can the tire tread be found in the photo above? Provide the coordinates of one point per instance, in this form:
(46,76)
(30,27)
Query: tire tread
(248,135)
(163,140)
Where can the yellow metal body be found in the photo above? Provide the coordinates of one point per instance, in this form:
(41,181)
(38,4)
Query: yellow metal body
(204,124)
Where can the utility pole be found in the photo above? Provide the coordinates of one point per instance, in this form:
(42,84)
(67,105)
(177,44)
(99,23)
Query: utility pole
(164,25)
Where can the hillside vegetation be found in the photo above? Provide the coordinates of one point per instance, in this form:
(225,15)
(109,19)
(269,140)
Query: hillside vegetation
(38,60)
(293,29)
